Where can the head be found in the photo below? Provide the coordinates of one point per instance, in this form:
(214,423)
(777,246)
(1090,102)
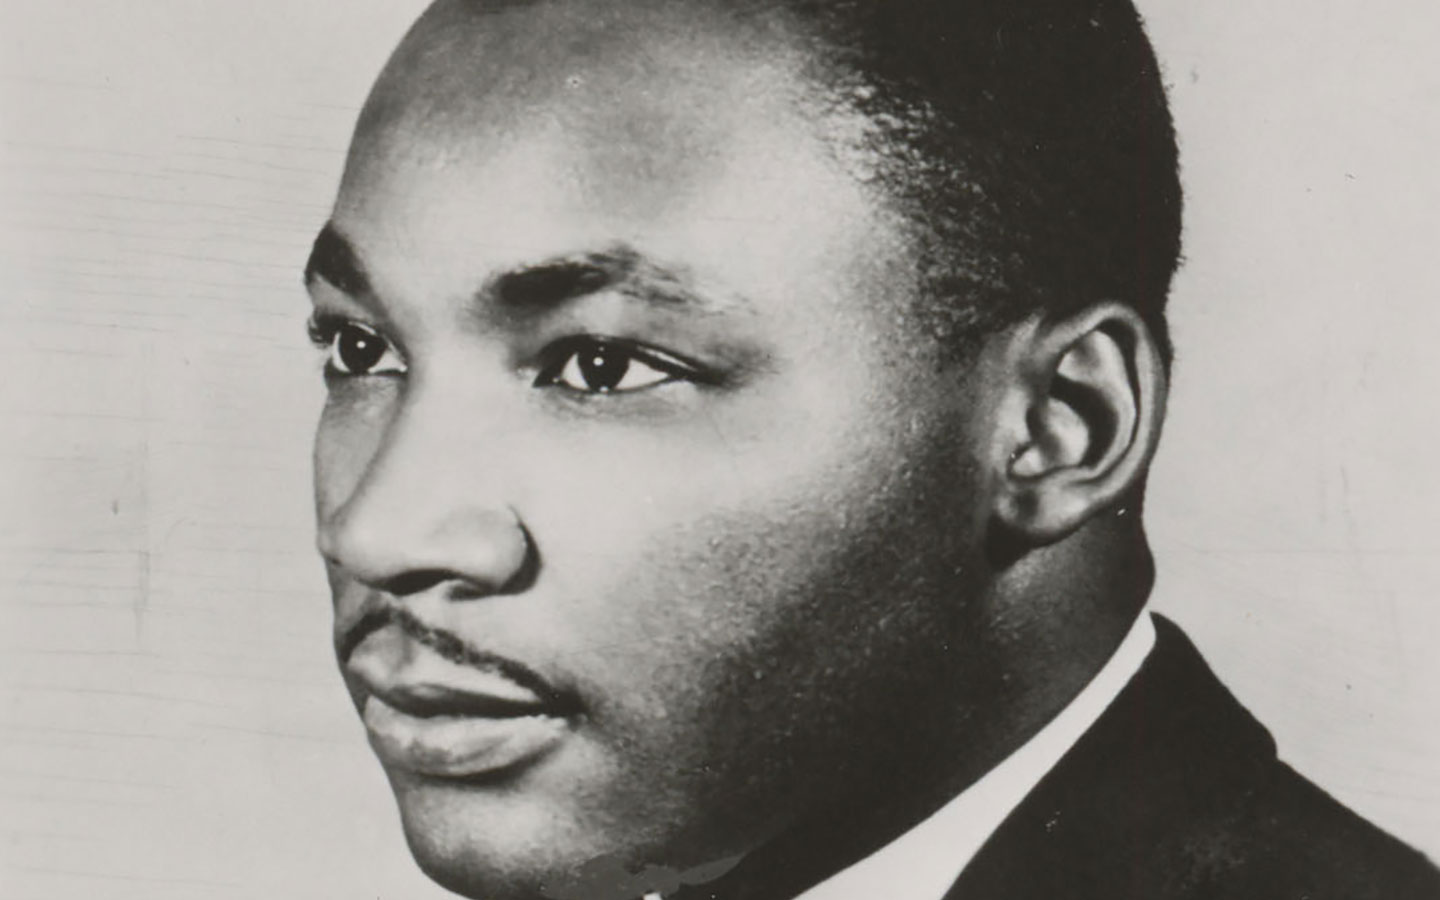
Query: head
(737,415)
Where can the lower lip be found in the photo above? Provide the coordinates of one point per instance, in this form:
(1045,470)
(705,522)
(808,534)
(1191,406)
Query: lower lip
(458,746)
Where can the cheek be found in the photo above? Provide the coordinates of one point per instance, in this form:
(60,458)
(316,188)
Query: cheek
(810,590)
(754,637)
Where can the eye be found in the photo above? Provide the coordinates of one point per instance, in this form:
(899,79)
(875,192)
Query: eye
(355,348)
(593,365)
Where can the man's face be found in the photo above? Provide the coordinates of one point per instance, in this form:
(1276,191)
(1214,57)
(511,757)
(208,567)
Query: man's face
(637,435)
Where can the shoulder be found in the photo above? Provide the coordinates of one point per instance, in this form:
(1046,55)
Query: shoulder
(1177,794)
(1281,836)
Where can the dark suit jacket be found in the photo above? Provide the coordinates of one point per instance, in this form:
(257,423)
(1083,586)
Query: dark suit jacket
(1176,794)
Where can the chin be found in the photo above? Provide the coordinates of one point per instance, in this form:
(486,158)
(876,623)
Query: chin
(468,877)
(513,840)
(481,841)
(509,840)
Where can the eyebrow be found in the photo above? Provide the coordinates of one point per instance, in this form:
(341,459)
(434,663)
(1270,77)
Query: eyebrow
(334,260)
(533,288)
(541,286)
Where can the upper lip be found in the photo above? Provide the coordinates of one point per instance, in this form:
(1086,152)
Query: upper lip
(425,671)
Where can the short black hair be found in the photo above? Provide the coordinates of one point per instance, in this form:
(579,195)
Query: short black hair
(1029,141)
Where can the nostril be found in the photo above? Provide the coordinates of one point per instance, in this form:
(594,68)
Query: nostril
(528,569)
(415,581)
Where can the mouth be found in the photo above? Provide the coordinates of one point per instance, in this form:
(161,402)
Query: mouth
(429,714)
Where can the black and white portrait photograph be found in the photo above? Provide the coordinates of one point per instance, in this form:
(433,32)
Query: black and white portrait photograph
(719,450)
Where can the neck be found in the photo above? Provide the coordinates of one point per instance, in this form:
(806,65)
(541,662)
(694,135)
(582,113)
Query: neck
(1048,633)
(1060,611)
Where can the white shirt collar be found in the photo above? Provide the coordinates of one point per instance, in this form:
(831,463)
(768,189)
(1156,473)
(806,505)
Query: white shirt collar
(924,862)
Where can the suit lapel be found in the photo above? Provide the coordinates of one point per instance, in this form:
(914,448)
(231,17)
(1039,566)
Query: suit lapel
(1112,819)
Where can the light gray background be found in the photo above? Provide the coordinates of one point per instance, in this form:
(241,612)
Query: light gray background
(170,721)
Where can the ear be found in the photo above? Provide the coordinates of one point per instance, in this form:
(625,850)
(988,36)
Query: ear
(1079,420)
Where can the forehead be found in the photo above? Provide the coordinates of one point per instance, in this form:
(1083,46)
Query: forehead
(528,131)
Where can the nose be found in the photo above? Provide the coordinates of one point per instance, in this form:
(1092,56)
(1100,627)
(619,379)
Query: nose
(422,514)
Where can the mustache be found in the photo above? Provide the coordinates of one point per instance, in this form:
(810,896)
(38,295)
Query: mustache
(448,646)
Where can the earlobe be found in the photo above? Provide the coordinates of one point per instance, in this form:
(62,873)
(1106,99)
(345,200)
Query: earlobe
(1089,394)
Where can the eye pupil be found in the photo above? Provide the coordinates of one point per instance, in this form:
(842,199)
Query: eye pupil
(603,367)
(359,348)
